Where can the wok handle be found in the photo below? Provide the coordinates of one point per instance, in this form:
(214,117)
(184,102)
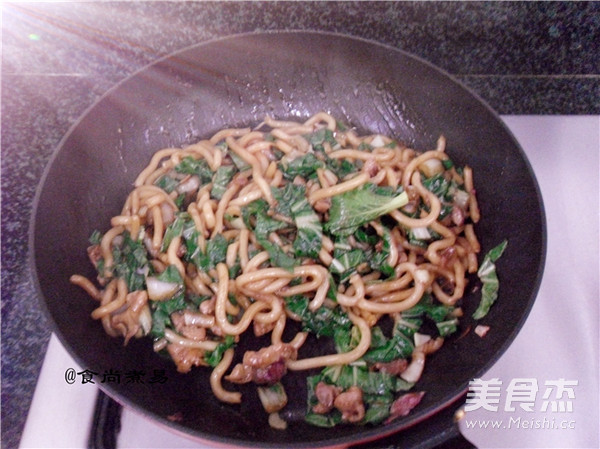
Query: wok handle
(106,423)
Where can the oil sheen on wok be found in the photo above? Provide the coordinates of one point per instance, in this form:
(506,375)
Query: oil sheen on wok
(360,239)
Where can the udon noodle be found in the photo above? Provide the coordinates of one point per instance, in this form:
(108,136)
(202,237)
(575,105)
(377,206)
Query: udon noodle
(253,229)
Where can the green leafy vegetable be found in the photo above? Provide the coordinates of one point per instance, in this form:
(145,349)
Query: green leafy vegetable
(378,248)
(310,232)
(322,322)
(341,167)
(170,275)
(240,163)
(363,146)
(179,201)
(430,308)
(437,184)
(407,326)
(278,257)
(256,217)
(199,167)
(175,229)
(447,163)
(358,374)
(378,258)
(448,327)
(321,136)
(129,260)
(356,207)
(214,357)
(161,313)
(443,189)
(292,203)
(167,183)
(489,278)
(345,261)
(95,237)
(216,251)
(305,166)
(385,350)
(378,407)
(287,196)
(221,179)
(345,340)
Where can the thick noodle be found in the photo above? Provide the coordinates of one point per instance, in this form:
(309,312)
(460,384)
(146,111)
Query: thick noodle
(188,199)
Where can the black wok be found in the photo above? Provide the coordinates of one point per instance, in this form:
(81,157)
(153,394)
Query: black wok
(235,82)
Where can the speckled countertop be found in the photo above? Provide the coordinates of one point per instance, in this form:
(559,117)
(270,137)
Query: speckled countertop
(58,58)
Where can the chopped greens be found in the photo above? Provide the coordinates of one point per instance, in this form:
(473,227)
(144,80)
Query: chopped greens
(129,260)
(386,350)
(341,168)
(318,141)
(161,315)
(256,217)
(278,257)
(345,260)
(322,322)
(199,167)
(448,327)
(241,164)
(292,206)
(320,137)
(305,166)
(310,231)
(330,419)
(167,183)
(437,184)
(489,278)
(286,197)
(356,207)
(175,229)
(171,275)
(445,189)
(216,251)
(377,255)
(222,178)
(95,237)
(214,357)
(430,308)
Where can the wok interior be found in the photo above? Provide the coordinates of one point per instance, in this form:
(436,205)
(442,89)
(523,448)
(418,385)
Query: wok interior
(236,82)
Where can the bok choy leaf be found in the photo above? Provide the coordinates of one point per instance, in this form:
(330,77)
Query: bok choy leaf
(214,357)
(489,278)
(356,207)
(309,237)
(305,166)
(221,179)
(323,321)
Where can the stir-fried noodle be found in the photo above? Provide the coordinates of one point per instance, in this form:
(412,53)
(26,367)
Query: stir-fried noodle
(307,222)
